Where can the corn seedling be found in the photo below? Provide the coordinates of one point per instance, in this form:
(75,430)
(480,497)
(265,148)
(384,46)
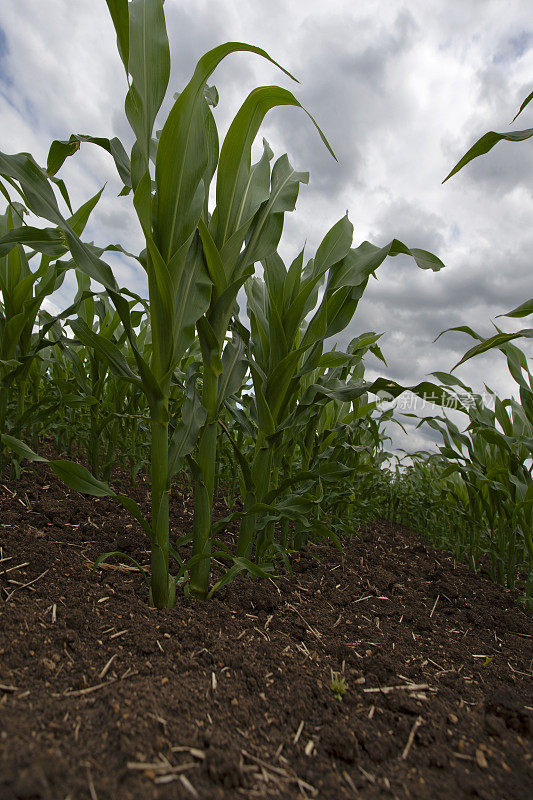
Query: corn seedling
(338,684)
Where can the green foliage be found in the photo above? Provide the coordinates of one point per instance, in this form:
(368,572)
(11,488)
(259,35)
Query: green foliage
(257,407)
(338,684)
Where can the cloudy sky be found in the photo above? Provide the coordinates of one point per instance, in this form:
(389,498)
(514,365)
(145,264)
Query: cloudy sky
(401,89)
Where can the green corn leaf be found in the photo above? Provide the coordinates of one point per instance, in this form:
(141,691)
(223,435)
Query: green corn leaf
(210,345)
(486,143)
(142,199)
(212,143)
(293,281)
(60,150)
(149,67)
(264,415)
(89,262)
(376,350)
(106,348)
(76,477)
(220,310)
(41,200)
(174,549)
(182,158)
(299,307)
(94,267)
(120,16)
(331,471)
(451,380)
(238,452)
(360,263)
(63,191)
(215,267)
(45,240)
(266,229)
(517,364)
(337,359)
(493,342)
(503,416)
(461,329)
(185,435)
(526,398)
(192,301)
(523,310)
(5,193)
(234,368)
(255,191)
(493,436)
(279,381)
(347,393)
(275,275)
(79,219)
(8,368)
(239,565)
(79,478)
(164,306)
(318,325)
(38,194)
(276,333)
(524,104)
(341,307)
(335,245)
(242,419)
(49,241)
(21,449)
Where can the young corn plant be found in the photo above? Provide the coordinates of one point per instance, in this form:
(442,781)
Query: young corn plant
(337,684)
(293,376)
(245,227)
(193,261)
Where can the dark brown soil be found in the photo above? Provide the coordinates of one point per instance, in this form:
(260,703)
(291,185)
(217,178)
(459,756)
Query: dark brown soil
(103,698)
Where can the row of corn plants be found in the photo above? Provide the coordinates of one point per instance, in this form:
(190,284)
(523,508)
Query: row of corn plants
(476,495)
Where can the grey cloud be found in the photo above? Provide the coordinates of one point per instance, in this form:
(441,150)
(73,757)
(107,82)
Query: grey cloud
(412,224)
(514,47)
(344,87)
(4,76)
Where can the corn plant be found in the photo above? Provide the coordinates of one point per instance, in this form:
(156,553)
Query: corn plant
(294,379)
(337,684)
(249,215)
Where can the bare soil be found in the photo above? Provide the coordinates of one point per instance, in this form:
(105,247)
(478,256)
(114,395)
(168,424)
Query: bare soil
(102,697)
